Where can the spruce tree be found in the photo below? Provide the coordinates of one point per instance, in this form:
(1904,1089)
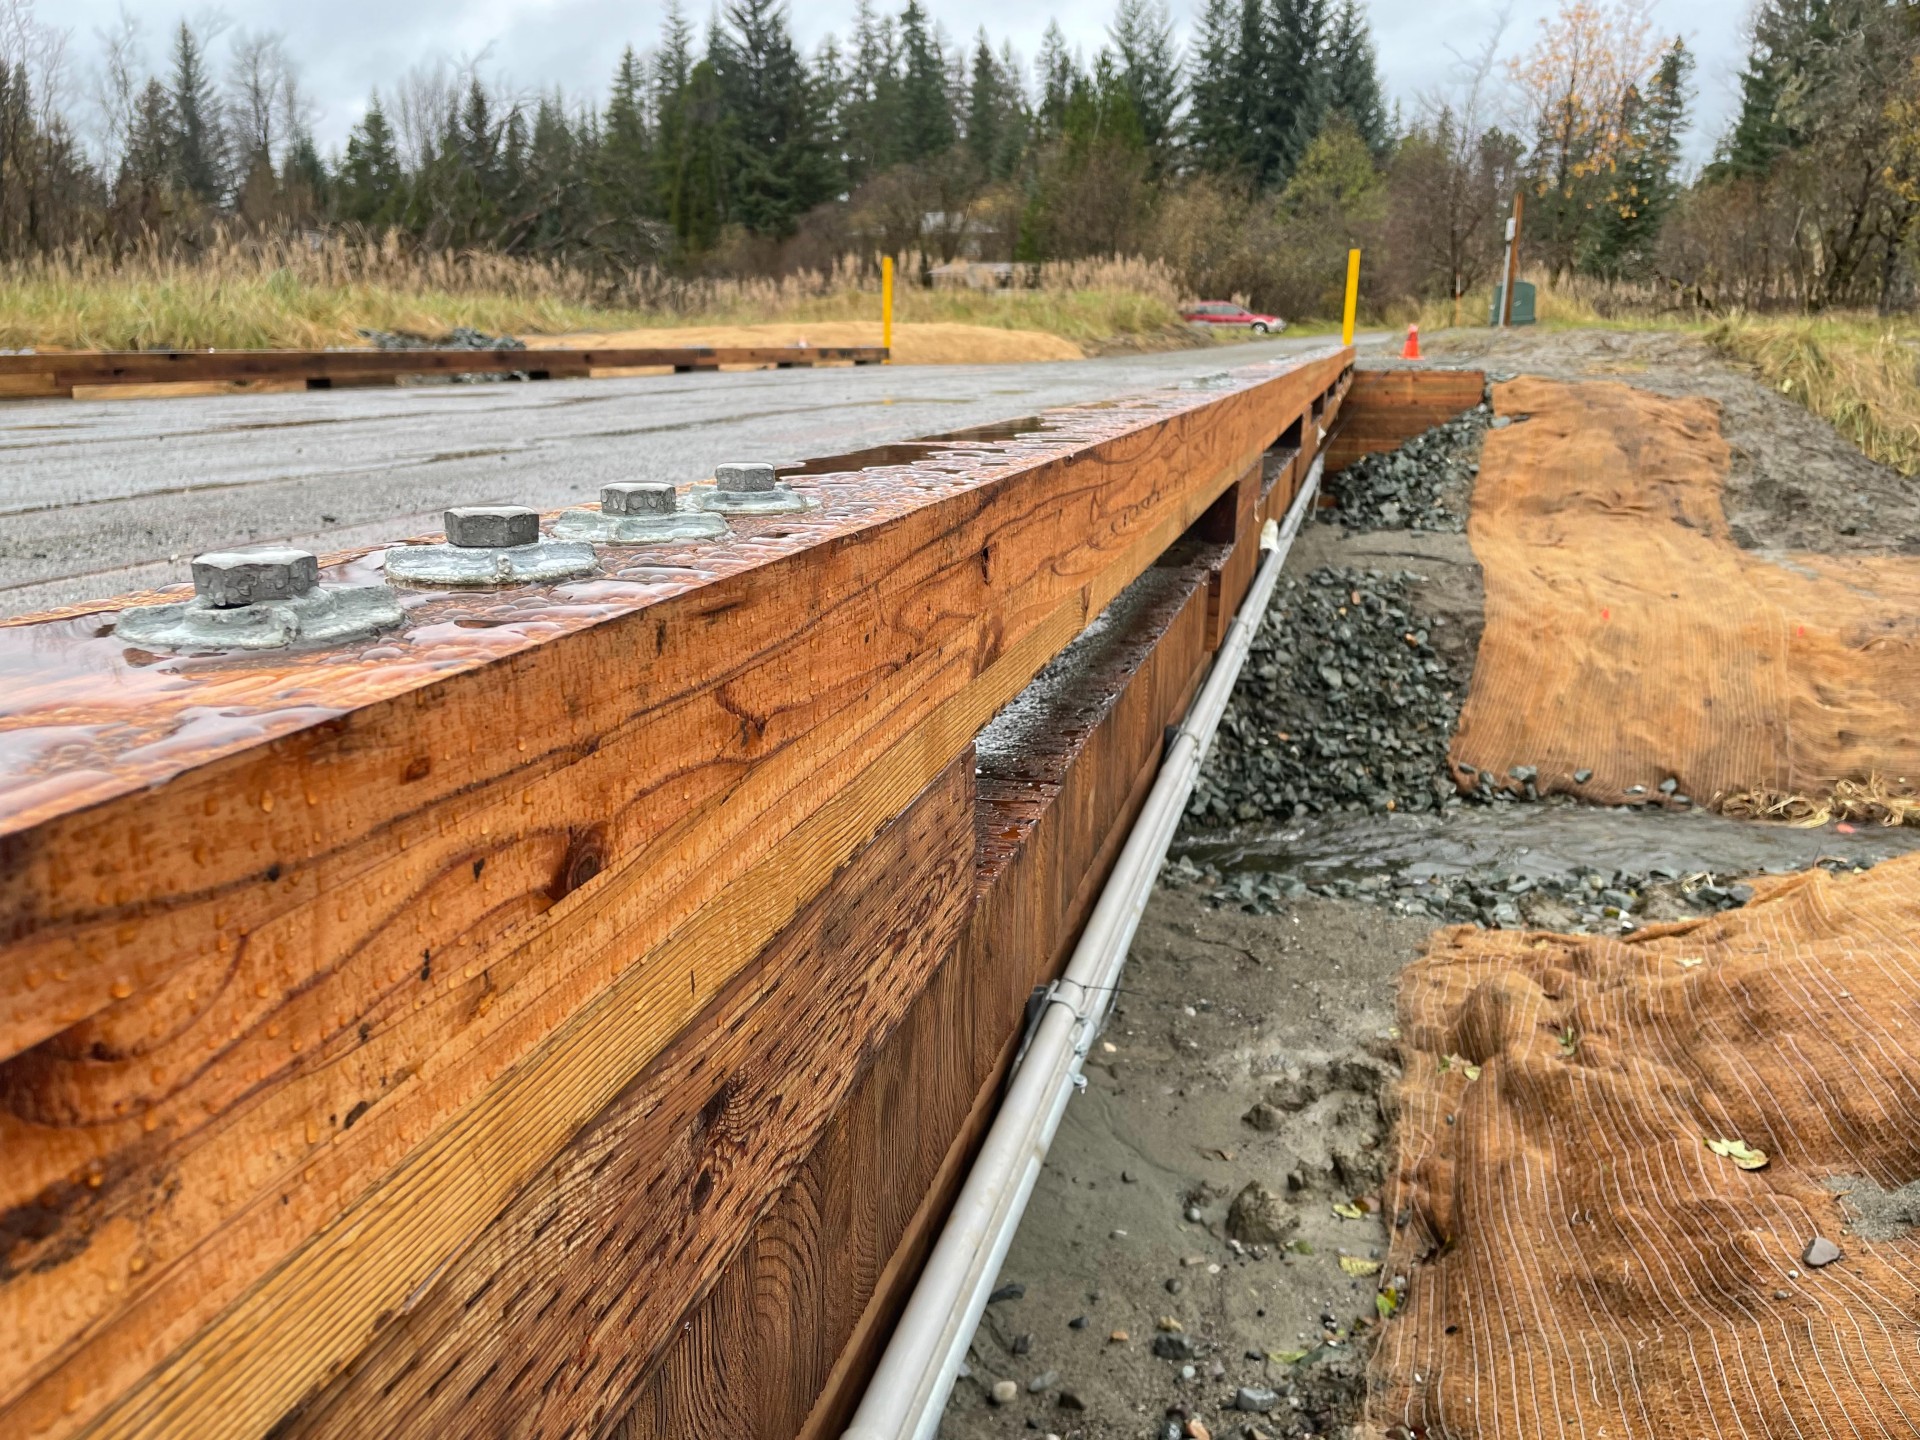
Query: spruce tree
(1150,70)
(1353,79)
(1785,32)
(1213,114)
(697,193)
(197,145)
(926,114)
(669,75)
(1297,86)
(777,168)
(986,106)
(623,160)
(1624,230)
(1058,72)
(370,177)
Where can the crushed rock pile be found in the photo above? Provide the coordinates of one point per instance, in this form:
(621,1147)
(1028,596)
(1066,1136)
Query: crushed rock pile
(461,337)
(1344,704)
(1586,902)
(1423,485)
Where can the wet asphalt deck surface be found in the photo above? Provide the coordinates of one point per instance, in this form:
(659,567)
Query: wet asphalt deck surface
(100,498)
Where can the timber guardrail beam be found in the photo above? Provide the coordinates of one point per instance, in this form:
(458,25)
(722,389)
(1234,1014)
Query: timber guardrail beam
(56,373)
(311,959)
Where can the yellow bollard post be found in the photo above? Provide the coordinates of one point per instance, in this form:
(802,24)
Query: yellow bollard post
(1353,297)
(886,305)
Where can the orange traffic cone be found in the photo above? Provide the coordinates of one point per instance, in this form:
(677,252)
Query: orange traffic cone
(1411,351)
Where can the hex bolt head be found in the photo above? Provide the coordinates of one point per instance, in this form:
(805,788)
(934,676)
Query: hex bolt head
(637,497)
(492,526)
(227,578)
(743,477)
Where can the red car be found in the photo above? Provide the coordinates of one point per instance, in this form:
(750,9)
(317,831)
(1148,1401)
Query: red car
(1222,312)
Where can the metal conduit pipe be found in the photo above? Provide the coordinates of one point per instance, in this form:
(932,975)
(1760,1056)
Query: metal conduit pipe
(909,1389)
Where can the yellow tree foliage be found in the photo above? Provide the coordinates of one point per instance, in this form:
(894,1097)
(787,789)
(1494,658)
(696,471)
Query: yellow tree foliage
(1573,88)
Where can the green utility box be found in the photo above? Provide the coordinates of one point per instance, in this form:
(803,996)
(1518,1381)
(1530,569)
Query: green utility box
(1522,304)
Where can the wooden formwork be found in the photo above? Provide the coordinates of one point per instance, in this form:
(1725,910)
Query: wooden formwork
(1386,408)
(573,1013)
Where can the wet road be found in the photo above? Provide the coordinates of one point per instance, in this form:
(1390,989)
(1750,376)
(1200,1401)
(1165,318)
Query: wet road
(104,497)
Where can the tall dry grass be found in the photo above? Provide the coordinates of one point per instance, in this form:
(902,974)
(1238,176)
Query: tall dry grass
(287,293)
(1858,372)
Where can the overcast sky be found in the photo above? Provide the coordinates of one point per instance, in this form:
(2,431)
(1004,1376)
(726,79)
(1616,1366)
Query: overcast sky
(347,47)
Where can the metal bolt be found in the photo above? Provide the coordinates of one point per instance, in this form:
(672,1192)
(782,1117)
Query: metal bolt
(743,477)
(637,497)
(492,526)
(228,578)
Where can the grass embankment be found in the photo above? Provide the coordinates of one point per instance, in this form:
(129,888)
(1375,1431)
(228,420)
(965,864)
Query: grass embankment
(1859,373)
(292,296)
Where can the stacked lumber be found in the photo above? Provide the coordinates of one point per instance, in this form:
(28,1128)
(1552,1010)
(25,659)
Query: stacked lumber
(85,374)
(1387,408)
(572,1013)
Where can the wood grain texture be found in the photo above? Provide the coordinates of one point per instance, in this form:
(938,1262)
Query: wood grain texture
(785,1341)
(310,962)
(1387,408)
(544,1324)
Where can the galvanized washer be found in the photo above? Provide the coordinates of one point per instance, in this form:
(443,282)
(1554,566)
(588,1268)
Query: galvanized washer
(490,545)
(749,488)
(633,513)
(465,566)
(323,615)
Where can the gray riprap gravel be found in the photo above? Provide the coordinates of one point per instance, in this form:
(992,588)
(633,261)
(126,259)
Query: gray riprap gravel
(1423,485)
(1344,704)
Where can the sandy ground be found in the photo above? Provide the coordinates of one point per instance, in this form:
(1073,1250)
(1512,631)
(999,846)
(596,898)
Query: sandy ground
(918,344)
(1255,1049)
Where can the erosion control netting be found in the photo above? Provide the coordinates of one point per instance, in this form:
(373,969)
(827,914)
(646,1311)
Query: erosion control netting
(1571,1254)
(1634,653)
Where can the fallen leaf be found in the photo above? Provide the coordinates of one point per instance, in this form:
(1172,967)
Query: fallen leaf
(1289,1357)
(1741,1153)
(1356,1266)
(1349,1212)
(1299,1247)
(1386,1302)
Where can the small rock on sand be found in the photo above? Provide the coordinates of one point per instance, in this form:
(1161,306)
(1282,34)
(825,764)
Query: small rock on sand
(1820,1251)
(1260,1217)
(1004,1392)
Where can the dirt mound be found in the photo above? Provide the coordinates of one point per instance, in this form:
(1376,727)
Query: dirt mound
(935,343)
(1614,1158)
(1633,653)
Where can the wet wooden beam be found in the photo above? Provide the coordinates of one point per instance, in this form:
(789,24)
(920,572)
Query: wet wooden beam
(786,1340)
(99,372)
(310,962)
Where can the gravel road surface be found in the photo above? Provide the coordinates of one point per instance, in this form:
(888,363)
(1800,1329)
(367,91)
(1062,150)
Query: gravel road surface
(105,497)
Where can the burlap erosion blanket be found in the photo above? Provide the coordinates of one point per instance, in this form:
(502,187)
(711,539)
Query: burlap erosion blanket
(1629,636)
(1580,1262)
(1580,1259)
